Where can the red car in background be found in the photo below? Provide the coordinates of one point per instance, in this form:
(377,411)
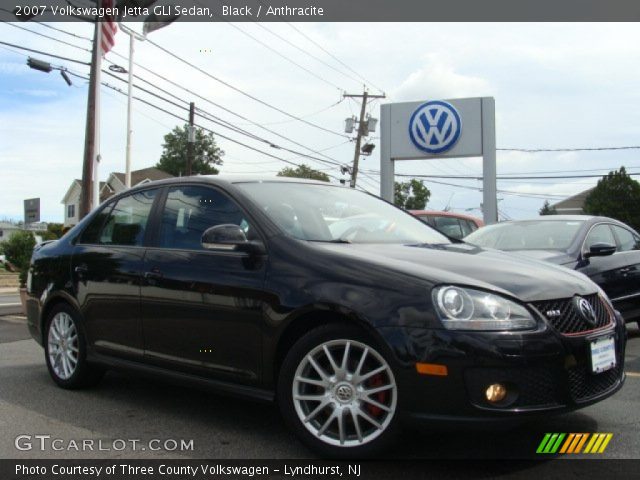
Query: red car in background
(454,225)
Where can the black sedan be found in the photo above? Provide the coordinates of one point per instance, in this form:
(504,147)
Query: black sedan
(604,249)
(242,286)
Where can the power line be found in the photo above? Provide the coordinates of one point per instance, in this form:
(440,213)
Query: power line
(306,52)
(218,134)
(469,177)
(310,72)
(506,192)
(334,57)
(48,37)
(73,60)
(293,117)
(217,121)
(242,92)
(214,118)
(577,149)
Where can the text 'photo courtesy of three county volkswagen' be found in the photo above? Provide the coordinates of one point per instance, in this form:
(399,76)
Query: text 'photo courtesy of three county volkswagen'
(241,285)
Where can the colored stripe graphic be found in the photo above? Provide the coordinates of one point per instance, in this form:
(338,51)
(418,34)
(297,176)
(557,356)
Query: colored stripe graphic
(550,443)
(573,443)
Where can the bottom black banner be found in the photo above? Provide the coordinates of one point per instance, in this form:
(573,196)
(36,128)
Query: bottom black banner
(300,469)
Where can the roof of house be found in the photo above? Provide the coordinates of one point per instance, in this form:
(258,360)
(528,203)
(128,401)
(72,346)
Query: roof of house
(575,202)
(137,176)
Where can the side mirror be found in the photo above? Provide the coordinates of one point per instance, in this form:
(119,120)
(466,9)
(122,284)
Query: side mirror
(600,250)
(230,237)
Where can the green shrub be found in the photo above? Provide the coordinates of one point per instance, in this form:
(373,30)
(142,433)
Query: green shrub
(18,250)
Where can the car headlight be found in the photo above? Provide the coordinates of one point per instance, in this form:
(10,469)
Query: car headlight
(468,309)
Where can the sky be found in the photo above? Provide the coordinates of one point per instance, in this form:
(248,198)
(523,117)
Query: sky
(555,86)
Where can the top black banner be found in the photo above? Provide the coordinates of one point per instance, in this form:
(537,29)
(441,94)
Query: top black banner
(322,10)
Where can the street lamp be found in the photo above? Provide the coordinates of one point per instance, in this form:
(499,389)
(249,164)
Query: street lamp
(46,67)
(152,22)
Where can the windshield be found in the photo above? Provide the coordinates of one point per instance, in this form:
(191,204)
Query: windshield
(326,213)
(529,235)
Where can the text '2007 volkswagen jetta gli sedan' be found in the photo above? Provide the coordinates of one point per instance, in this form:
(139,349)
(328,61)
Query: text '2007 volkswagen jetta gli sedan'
(350,313)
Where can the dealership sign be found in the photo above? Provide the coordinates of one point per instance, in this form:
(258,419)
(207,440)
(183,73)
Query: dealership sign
(432,129)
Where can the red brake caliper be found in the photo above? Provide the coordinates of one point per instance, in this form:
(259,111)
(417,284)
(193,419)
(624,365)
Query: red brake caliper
(381,397)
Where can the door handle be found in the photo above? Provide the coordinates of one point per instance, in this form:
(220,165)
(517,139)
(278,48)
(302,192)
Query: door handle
(81,269)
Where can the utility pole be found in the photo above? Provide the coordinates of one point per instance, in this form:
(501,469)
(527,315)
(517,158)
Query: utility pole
(362,132)
(90,136)
(191,139)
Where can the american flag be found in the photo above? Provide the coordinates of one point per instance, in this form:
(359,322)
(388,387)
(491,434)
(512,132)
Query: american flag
(108,29)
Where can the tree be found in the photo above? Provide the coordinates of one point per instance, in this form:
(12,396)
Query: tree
(547,209)
(18,250)
(411,195)
(174,153)
(54,231)
(616,195)
(303,171)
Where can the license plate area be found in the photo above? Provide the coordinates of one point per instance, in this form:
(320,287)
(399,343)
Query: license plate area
(603,354)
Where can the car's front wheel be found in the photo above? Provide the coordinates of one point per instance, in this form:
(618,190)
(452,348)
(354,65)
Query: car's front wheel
(338,392)
(65,350)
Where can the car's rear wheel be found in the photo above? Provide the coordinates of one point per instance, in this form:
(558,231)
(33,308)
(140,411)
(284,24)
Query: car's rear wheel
(65,350)
(338,392)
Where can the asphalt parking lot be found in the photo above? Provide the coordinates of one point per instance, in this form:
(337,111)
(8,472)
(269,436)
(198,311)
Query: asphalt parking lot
(128,407)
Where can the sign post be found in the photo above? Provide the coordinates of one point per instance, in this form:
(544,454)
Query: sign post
(31,210)
(457,128)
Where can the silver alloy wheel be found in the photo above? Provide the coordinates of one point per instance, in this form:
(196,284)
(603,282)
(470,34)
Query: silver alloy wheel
(63,345)
(344,393)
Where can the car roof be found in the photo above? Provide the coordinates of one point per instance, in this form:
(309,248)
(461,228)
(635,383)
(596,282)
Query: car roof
(590,219)
(447,214)
(229,180)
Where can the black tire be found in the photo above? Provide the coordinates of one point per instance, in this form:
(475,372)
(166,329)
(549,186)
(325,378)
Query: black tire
(83,374)
(328,443)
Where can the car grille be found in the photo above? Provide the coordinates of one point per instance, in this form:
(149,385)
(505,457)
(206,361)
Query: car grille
(570,321)
(583,385)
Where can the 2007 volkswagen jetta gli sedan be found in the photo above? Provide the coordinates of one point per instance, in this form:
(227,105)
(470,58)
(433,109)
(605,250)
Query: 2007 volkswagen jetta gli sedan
(350,313)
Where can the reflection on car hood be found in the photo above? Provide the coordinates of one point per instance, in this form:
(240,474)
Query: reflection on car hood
(554,256)
(464,264)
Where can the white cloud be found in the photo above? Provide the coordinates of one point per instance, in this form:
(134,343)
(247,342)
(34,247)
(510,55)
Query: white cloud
(437,78)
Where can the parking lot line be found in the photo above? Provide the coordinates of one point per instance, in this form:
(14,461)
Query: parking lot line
(633,374)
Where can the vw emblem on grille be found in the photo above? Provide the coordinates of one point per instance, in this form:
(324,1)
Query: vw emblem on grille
(435,127)
(585,309)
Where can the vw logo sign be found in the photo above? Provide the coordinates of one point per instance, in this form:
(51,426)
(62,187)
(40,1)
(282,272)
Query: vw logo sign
(435,127)
(586,310)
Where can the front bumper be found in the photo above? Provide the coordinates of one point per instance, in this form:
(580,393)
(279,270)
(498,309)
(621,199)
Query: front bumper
(544,371)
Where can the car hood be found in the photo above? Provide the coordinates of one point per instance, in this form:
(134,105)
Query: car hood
(464,264)
(554,256)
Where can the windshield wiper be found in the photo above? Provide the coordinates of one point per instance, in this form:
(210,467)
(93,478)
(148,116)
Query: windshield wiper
(335,240)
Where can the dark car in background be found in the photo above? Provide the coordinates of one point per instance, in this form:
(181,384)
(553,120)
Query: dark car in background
(241,285)
(453,225)
(604,249)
